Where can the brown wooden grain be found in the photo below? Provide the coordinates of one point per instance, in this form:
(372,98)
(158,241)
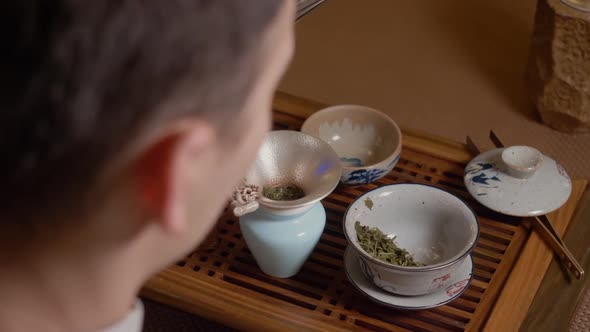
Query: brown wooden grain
(218,302)
(526,277)
(559,294)
(493,292)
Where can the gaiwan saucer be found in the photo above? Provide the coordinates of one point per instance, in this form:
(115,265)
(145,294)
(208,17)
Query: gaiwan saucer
(427,301)
(517,181)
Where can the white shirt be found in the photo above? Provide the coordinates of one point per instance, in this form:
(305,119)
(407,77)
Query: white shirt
(133,322)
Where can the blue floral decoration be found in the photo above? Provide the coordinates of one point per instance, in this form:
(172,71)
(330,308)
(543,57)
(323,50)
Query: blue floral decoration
(483,179)
(366,176)
(484,175)
(363,176)
(479,167)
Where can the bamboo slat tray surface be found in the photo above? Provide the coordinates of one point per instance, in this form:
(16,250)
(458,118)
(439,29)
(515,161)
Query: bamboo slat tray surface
(221,281)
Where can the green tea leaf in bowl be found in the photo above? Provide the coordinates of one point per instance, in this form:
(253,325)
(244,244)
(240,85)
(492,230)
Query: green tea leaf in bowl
(369,203)
(283,193)
(382,247)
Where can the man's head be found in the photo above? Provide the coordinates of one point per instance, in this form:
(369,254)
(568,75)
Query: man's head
(130,121)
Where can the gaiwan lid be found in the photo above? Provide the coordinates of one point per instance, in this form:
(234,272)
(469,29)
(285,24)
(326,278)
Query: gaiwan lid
(518,181)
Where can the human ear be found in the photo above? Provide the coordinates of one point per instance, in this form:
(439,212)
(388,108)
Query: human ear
(165,174)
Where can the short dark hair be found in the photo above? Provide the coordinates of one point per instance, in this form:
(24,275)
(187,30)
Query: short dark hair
(81,79)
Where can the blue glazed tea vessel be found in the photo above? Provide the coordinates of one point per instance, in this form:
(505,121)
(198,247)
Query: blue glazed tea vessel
(282,234)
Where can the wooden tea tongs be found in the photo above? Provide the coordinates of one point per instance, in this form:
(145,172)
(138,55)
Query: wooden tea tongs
(541,223)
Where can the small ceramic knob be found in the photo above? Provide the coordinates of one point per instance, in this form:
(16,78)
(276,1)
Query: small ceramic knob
(522,161)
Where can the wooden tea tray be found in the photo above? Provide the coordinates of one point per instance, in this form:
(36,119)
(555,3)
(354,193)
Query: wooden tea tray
(220,280)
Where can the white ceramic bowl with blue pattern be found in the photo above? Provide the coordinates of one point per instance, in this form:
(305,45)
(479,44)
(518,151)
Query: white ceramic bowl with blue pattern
(368,142)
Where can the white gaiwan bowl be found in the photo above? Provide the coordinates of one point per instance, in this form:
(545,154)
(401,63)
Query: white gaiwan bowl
(367,141)
(436,227)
